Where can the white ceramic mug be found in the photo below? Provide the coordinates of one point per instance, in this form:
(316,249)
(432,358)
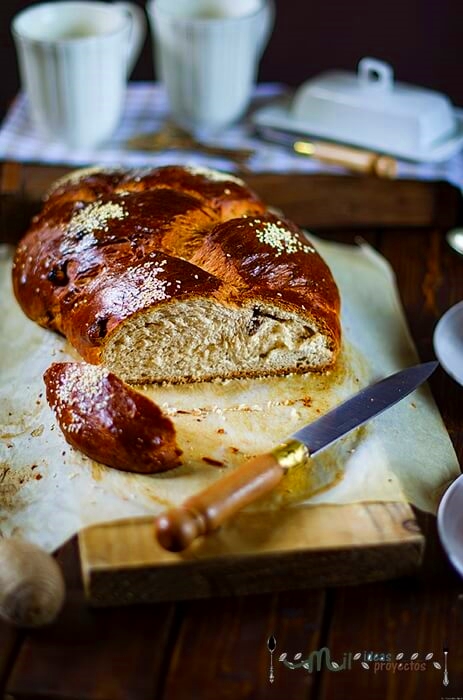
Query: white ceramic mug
(209,53)
(74,60)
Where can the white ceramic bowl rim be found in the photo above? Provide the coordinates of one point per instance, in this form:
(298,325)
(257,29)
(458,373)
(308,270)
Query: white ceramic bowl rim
(448,342)
(449,522)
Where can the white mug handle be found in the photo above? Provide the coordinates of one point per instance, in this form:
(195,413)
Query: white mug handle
(137,32)
(266,27)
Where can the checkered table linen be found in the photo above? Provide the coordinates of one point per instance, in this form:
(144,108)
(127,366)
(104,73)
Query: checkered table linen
(146,110)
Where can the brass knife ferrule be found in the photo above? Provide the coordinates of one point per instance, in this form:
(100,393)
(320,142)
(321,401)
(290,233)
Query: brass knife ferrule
(291,453)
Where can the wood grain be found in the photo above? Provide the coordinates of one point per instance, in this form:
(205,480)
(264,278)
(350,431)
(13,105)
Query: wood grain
(317,201)
(237,664)
(89,654)
(216,648)
(422,613)
(396,618)
(11,178)
(429,277)
(324,201)
(255,552)
(10,641)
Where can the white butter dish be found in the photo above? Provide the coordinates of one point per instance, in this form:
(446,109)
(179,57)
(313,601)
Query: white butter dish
(370,110)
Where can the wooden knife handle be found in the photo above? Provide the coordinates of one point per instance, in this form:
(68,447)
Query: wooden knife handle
(206,511)
(356,159)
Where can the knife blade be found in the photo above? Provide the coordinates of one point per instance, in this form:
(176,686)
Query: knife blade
(356,159)
(207,510)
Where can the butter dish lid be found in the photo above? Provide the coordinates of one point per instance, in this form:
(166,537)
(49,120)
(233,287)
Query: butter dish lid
(369,109)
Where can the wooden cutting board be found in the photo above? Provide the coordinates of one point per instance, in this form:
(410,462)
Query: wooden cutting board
(276,546)
(303,547)
(299,547)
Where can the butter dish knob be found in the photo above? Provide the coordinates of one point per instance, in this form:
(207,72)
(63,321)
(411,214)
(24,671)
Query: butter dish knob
(375,74)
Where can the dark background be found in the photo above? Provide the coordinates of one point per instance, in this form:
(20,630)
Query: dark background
(422,39)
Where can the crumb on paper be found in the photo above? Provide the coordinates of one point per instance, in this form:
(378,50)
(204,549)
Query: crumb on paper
(11,481)
(213,462)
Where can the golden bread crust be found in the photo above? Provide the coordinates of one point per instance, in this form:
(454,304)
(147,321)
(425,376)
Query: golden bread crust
(111,244)
(108,421)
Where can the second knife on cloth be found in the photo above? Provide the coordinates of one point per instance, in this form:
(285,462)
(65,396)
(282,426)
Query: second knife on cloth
(355,159)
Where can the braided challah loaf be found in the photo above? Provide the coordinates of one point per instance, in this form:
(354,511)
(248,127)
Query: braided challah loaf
(176,274)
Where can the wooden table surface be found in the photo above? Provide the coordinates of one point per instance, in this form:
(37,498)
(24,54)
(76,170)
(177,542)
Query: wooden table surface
(212,649)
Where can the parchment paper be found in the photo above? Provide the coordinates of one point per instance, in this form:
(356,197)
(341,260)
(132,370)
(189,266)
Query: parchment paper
(48,491)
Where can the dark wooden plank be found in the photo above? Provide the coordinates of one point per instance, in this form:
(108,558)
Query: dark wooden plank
(98,655)
(10,641)
(420,614)
(404,616)
(221,649)
(38,178)
(107,654)
(416,260)
(67,557)
(116,654)
(11,178)
(327,201)
(10,638)
(15,211)
(423,613)
(430,280)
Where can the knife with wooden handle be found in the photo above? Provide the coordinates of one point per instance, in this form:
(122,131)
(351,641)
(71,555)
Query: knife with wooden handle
(209,509)
(356,159)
